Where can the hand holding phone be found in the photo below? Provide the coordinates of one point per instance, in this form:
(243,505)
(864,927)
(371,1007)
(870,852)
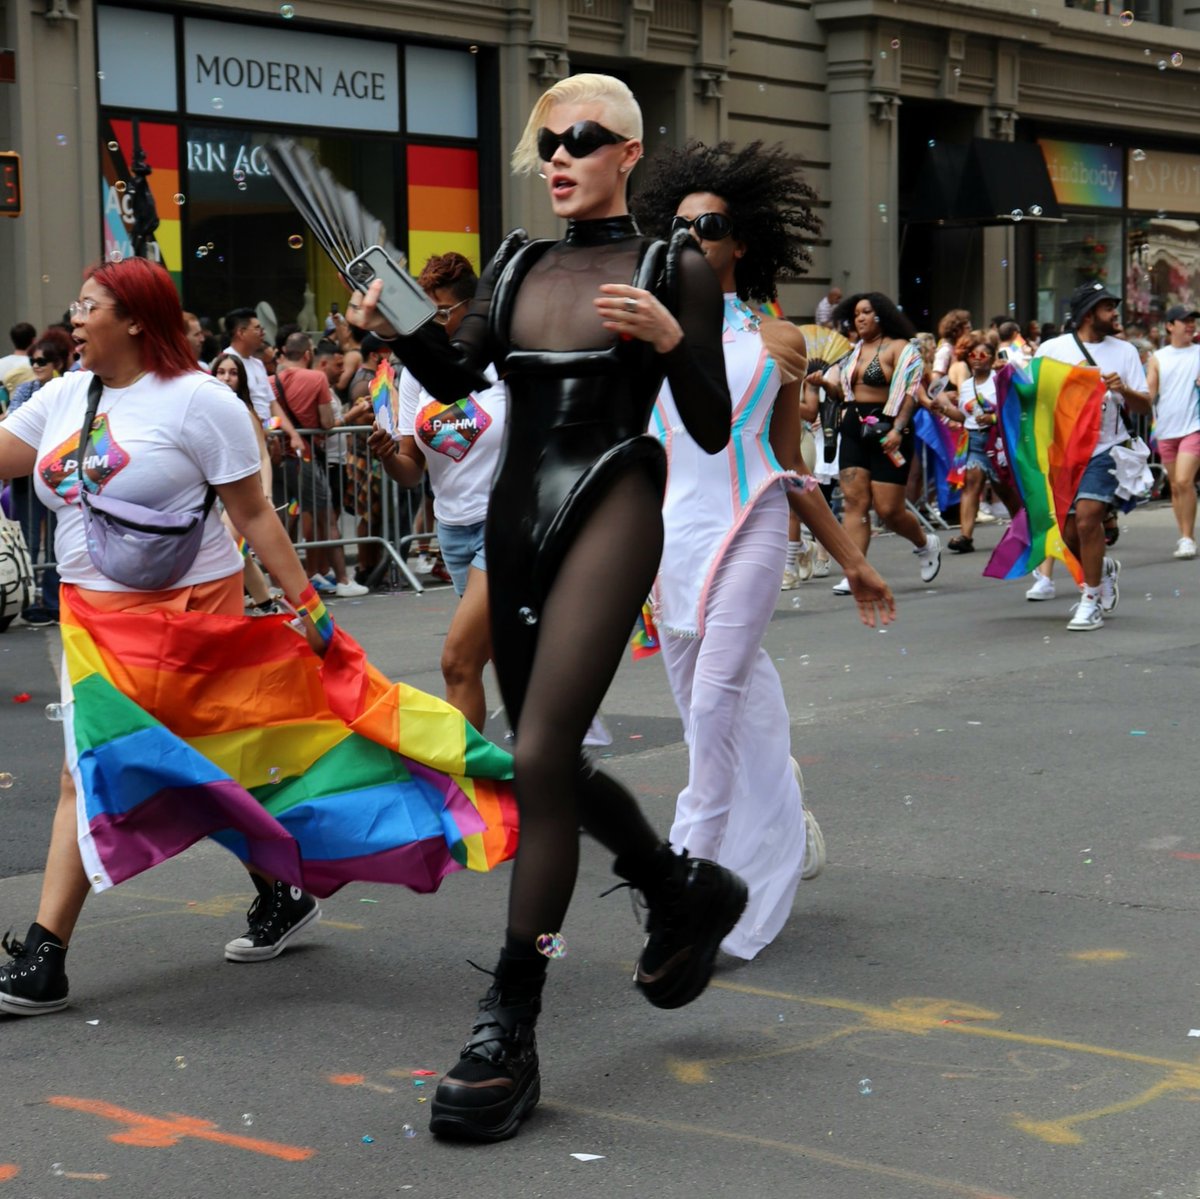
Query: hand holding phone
(401,301)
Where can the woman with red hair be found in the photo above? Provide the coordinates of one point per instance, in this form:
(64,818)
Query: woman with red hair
(163,433)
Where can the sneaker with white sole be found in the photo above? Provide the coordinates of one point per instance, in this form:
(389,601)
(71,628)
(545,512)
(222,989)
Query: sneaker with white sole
(842,588)
(351,590)
(322,586)
(930,557)
(804,563)
(34,983)
(791,580)
(814,839)
(1184,548)
(277,914)
(821,568)
(1042,589)
(1110,589)
(1086,615)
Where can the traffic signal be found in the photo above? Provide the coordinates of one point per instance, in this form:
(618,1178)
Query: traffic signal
(10,183)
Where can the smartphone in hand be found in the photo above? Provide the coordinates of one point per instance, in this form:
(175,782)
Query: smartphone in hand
(402,301)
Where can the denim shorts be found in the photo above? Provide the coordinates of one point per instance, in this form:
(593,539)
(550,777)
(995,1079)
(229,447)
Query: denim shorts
(462,548)
(976,457)
(1099,480)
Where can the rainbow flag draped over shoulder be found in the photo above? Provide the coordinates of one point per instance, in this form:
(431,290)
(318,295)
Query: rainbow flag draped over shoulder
(1050,421)
(316,771)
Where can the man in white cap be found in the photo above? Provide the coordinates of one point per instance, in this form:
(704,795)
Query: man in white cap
(1092,342)
(1173,375)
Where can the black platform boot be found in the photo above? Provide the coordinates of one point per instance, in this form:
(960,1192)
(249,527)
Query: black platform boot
(693,904)
(495,1084)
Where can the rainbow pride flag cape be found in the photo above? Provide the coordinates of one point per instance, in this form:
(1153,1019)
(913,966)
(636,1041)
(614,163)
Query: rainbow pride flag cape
(316,771)
(1050,422)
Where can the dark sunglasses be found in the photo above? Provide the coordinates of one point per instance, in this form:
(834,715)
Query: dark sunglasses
(41,362)
(580,140)
(709,226)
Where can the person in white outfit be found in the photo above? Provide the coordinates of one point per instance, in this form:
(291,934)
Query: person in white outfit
(725,525)
(1173,378)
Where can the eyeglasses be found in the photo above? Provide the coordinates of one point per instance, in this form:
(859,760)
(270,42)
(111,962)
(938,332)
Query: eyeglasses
(980,354)
(441,314)
(41,362)
(84,308)
(708,226)
(580,140)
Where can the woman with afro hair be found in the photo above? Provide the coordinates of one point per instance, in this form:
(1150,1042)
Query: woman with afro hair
(725,532)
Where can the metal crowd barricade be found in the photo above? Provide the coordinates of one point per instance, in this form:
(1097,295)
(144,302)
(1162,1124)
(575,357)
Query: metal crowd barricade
(371,511)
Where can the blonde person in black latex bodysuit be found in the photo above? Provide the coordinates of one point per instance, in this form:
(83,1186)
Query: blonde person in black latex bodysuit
(583,331)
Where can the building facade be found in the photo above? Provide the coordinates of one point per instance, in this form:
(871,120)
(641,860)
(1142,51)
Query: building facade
(141,127)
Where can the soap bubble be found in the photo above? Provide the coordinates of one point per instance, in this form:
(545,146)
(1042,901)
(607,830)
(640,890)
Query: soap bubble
(762,87)
(895,43)
(247,1118)
(239,175)
(957,72)
(273,774)
(552,945)
(217,103)
(1035,210)
(1177,59)
(60,138)
(120,186)
(114,146)
(1017,214)
(1138,155)
(1162,64)
(45,278)
(181,1063)
(662,128)
(527,615)
(241,186)
(201,251)
(296,242)
(287,11)
(864,1086)
(211,246)
(408,1130)
(57,1170)
(931,143)
(6,780)
(1004,264)
(473,49)
(115,256)
(179,199)
(883,54)
(100,76)
(1126,18)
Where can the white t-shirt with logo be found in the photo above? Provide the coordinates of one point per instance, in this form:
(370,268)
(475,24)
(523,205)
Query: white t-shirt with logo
(259,382)
(158,442)
(461,442)
(1110,355)
(1176,410)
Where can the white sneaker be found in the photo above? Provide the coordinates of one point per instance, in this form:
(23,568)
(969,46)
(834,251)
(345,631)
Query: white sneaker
(814,840)
(821,568)
(322,586)
(842,588)
(791,580)
(1110,590)
(351,589)
(1186,548)
(804,563)
(930,557)
(1042,589)
(983,517)
(1086,616)
(423,565)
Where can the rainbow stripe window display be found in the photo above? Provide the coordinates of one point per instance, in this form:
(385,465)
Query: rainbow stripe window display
(443,204)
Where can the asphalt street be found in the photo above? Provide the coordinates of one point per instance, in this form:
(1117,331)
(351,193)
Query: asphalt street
(990,992)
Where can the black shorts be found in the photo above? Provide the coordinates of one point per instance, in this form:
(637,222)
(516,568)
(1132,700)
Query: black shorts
(862,449)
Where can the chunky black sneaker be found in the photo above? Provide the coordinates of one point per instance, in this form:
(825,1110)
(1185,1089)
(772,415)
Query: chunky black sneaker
(34,983)
(691,912)
(277,914)
(496,1083)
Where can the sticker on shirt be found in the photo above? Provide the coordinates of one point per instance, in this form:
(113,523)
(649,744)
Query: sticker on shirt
(452,429)
(59,469)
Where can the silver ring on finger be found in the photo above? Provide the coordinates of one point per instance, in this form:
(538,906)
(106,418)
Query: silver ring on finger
(631,304)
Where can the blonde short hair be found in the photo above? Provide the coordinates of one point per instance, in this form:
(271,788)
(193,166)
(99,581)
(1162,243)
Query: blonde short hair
(622,113)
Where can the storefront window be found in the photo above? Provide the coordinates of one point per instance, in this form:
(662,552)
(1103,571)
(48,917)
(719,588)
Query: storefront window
(1163,267)
(1087,249)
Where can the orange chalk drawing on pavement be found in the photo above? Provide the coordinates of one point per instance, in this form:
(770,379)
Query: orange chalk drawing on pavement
(155,1132)
(8,1171)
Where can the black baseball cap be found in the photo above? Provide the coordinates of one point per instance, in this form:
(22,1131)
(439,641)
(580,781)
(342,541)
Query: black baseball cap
(1085,298)
(1180,312)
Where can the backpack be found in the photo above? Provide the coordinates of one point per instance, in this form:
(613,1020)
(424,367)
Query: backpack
(16,572)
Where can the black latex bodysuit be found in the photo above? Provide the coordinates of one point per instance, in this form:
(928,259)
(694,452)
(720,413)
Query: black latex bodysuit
(574,529)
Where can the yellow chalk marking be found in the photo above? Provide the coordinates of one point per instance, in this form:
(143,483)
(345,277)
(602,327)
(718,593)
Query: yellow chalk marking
(342,924)
(1099,955)
(1062,1132)
(928,1182)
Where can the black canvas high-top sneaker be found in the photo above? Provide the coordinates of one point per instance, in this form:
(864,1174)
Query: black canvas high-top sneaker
(34,983)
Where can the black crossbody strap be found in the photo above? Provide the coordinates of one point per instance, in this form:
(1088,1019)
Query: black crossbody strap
(1125,420)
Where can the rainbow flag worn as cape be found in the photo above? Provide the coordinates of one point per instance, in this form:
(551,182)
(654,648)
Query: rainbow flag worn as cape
(1050,421)
(316,771)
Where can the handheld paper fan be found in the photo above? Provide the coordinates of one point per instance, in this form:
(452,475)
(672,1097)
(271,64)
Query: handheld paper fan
(355,241)
(824,345)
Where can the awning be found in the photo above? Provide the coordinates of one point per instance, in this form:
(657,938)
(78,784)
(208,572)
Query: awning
(984,183)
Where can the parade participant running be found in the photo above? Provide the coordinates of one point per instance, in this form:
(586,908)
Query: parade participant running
(882,375)
(1173,377)
(1093,316)
(725,523)
(583,332)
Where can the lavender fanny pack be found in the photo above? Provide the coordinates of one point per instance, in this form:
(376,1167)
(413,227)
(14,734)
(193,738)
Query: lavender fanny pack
(133,545)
